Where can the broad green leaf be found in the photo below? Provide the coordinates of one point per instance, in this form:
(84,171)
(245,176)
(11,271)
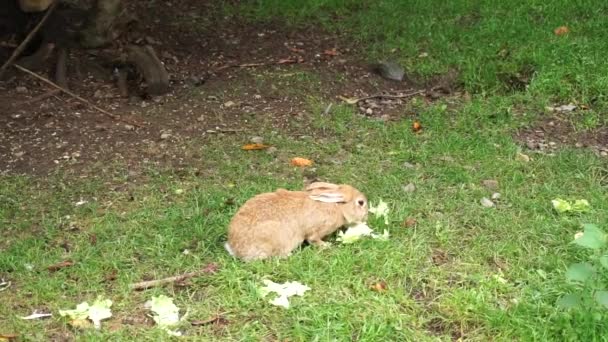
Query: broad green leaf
(579,272)
(593,237)
(354,233)
(165,313)
(604,261)
(581,205)
(97,312)
(601,297)
(380,210)
(561,206)
(569,301)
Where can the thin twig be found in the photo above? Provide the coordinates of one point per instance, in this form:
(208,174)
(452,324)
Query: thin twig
(40,97)
(51,83)
(327,109)
(247,65)
(253,65)
(355,101)
(211,268)
(21,47)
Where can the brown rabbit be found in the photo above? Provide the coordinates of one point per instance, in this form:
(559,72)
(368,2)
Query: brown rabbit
(275,223)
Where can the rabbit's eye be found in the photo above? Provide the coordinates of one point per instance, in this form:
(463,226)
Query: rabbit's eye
(361,202)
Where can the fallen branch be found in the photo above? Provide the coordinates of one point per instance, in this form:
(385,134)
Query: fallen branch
(357,100)
(253,65)
(51,83)
(17,52)
(62,264)
(211,268)
(40,97)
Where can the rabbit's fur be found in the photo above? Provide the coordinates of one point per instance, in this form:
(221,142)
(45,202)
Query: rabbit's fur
(276,223)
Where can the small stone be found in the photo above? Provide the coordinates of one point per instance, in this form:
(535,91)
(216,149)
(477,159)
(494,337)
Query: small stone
(129,127)
(578,144)
(21,89)
(98,94)
(409,222)
(522,157)
(390,70)
(552,143)
(486,202)
(496,196)
(409,188)
(19,154)
(212,98)
(195,81)
(257,96)
(491,184)
(165,136)
(257,140)
(228,104)
(532,145)
(201,118)
(369,111)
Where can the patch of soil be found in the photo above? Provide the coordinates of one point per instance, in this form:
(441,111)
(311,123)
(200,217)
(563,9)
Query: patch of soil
(42,131)
(558,130)
(438,326)
(440,257)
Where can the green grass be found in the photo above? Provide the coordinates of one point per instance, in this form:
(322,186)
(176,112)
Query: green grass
(462,271)
(489,43)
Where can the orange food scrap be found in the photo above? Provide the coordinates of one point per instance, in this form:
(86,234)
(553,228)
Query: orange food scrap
(250,147)
(379,286)
(331,52)
(416,127)
(297,161)
(562,30)
(409,222)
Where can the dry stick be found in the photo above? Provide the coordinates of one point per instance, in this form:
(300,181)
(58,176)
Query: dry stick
(47,81)
(157,282)
(253,65)
(21,47)
(40,97)
(387,96)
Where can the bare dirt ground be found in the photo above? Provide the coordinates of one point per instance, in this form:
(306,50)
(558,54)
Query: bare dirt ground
(42,132)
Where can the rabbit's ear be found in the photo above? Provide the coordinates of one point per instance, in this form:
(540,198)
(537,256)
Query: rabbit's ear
(321,185)
(329,197)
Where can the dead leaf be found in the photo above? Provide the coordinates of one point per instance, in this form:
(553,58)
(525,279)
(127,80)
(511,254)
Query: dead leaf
(8,337)
(331,52)
(60,265)
(81,323)
(379,286)
(250,147)
(111,276)
(211,268)
(297,161)
(416,126)
(409,222)
(291,60)
(562,30)
(349,100)
(522,157)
